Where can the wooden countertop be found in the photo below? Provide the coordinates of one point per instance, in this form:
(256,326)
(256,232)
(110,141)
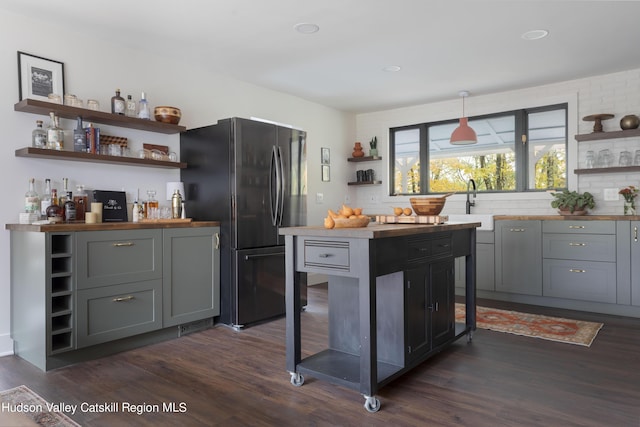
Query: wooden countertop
(81,226)
(568,217)
(376,231)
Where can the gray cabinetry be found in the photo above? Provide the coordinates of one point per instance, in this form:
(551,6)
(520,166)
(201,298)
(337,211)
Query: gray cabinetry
(191,266)
(119,283)
(518,255)
(579,260)
(485,265)
(635,263)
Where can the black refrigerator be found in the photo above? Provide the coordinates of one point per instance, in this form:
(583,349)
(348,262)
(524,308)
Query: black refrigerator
(252,177)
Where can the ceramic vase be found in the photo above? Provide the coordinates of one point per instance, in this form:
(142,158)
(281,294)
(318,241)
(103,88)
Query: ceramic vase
(629,207)
(357,150)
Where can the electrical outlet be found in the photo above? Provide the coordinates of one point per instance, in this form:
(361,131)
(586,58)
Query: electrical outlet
(611,194)
(319,198)
(374,199)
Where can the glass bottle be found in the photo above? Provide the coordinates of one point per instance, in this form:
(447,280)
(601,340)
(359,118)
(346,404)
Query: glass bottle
(81,201)
(143,111)
(31,199)
(79,137)
(69,208)
(151,205)
(117,103)
(39,136)
(55,212)
(131,108)
(45,200)
(65,189)
(55,135)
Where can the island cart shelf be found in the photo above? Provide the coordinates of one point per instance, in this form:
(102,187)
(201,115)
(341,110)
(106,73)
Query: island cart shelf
(402,273)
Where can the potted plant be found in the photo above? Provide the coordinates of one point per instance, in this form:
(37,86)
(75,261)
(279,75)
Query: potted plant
(572,202)
(374,146)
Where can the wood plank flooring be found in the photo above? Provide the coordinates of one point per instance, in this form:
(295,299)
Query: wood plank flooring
(229,378)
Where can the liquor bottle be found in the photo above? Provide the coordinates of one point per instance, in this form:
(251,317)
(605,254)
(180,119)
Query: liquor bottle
(65,189)
(80,137)
(143,111)
(117,103)
(131,108)
(69,208)
(55,212)
(45,200)
(39,136)
(81,201)
(136,211)
(55,135)
(31,199)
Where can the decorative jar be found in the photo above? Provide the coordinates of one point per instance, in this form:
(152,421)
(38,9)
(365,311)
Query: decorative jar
(357,150)
(629,207)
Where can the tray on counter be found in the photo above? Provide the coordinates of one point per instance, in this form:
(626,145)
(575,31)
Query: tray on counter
(412,219)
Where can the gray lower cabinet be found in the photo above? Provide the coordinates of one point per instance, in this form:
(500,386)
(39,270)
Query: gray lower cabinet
(191,266)
(580,260)
(635,263)
(485,264)
(518,256)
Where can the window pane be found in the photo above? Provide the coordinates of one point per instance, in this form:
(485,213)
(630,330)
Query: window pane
(547,150)
(490,162)
(407,161)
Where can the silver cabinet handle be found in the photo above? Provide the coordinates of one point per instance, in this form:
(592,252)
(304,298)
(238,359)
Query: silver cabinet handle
(216,238)
(635,233)
(122,244)
(517,230)
(577,244)
(124,299)
(324,255)
(577,270)
(577,227)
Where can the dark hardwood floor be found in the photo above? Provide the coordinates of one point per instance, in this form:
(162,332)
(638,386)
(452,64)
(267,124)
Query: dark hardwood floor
(229,378)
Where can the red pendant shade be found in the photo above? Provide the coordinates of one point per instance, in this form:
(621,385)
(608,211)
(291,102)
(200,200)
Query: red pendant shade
(463,134)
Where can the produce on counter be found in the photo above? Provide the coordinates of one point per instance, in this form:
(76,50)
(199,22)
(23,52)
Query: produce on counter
(345,212)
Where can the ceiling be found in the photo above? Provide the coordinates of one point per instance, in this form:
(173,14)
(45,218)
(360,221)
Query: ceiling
(442,46)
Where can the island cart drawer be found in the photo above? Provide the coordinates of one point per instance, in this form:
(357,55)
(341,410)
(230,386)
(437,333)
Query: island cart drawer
(579,227)
(422,248)
(325,254)
(587,247)
(118,256)
(112,312)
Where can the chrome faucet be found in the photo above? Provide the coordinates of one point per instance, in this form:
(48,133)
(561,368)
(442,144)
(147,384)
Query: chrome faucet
(469,202)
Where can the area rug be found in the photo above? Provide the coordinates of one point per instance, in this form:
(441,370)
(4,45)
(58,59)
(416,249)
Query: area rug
(533,325)
(23,402)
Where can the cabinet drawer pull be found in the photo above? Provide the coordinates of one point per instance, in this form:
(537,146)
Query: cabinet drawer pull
(216,245)
(577,227)
(635,233)
(124,299)
(324,255)
(517,230)
(577,270)
(577,244)
(122,244)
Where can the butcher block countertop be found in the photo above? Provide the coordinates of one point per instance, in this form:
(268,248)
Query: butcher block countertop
(81,226)
(376,231)
(568,217)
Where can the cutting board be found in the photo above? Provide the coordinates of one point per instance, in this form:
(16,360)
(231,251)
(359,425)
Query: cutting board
(412,219)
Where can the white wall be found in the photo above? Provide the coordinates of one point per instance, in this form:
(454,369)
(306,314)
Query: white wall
(94,69)
(617,93)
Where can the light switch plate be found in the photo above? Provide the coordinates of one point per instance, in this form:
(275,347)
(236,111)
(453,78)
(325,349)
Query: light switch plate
(611,194)
(319,198)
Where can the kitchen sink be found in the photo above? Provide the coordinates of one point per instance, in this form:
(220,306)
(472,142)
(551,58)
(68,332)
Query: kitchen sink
(485,219)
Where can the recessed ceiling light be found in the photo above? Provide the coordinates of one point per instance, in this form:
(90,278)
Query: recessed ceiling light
(391,68)
(306,28)
(535,34)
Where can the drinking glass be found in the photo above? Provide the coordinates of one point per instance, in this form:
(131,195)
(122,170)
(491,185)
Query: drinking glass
(625,158)
(92,104)
(604,158)
(636,158)
(590,160)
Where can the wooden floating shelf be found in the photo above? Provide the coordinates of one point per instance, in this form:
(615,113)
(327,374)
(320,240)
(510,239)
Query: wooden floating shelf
(596,136)
(364,183)
(618,169)
(363,159)
(44,153)
(41,107)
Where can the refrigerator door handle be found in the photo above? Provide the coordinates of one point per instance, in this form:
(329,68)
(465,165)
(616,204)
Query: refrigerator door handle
(274,170)
(282,187)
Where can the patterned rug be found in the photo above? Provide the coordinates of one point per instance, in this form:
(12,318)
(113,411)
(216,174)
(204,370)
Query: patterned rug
(533,325)
(22,407)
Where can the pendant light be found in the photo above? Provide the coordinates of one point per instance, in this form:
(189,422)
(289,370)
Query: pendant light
(463,134)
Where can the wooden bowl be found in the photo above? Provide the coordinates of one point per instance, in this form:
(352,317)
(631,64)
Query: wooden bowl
(351,223)
(428,205)
(166,114)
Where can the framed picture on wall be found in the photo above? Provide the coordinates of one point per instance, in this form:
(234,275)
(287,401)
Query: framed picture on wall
(326,176)
(325,155)
(38,77)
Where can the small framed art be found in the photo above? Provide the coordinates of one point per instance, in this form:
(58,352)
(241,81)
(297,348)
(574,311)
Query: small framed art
(38,77)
